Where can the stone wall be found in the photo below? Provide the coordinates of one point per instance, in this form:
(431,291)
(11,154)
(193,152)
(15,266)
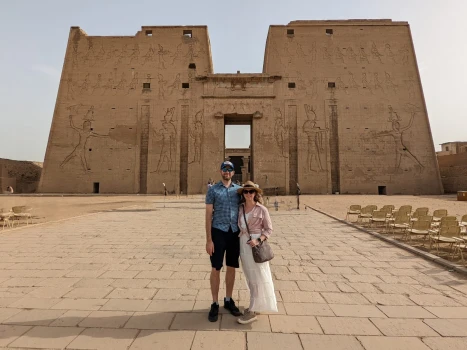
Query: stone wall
(123,111)
(357,104)
(339,107)
(23,176)
(453,169)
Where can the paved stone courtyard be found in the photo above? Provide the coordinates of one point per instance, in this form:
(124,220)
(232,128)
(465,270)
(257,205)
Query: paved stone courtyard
(138,278)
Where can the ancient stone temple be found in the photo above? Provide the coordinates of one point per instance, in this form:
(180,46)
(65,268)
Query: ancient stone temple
(338,108)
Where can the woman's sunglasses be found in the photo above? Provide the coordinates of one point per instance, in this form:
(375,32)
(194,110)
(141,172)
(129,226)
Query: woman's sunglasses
(249,191)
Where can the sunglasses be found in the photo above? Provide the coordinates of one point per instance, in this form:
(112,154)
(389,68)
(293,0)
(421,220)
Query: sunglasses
(249,191)
(225,170)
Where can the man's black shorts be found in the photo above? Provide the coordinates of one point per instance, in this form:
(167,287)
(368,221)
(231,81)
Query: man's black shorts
(226,243)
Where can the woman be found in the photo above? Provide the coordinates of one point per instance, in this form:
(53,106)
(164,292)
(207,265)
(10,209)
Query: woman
(258,276)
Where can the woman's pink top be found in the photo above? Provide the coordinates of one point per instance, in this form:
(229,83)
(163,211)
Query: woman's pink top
(258,221)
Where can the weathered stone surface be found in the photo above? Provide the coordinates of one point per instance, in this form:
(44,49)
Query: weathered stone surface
(126,318)
(338,108)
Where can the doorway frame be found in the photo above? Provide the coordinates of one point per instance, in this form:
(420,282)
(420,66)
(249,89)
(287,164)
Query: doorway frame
(242,119)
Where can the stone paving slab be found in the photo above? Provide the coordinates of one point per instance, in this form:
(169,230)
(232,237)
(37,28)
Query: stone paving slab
(139,279)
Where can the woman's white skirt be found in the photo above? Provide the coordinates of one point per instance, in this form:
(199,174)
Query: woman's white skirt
(258,279)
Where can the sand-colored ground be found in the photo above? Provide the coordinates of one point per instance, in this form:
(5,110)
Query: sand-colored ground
(138,278)
(51,208)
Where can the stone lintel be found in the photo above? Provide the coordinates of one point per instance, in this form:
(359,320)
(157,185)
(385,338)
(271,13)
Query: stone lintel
(239,78)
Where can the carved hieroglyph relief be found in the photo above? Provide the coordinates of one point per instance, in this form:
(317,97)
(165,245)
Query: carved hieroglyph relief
(197,134)
(85,132)
(363,56)
(316,140)
(97,85)
(133,83)
(390,56)
(195,49)
(85,85)
(168,139)
(378,84)
(135,53)
(327,54)
(70,89)
(175,86)
(162,86)
(280,132)
(109,85)
(401,150)
(339,56)
(351,55)
(411,84)
(149,56)
(332,54)
(404,54)
(375,54)
(93,52)
(177,55)
(161,53)
(366,84)
(235,106)
(390,86)
(120,87)
(353,85)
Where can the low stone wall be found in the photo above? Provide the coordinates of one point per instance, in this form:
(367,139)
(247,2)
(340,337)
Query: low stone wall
(23,176)
(453,170)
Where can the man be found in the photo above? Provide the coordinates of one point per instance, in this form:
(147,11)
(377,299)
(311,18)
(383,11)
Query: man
(222,237)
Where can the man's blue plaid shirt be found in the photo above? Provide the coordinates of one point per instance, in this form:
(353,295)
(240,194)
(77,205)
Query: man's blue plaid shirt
(225,202)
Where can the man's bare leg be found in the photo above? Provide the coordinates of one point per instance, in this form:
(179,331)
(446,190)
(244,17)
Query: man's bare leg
(229,281)
(215,282)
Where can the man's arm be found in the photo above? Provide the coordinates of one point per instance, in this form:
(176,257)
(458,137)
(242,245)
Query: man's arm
(209,243)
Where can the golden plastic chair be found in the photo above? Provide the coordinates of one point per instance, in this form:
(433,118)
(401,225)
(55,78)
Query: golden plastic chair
(403,209)
(443,220)
(439,213)
(22,213)
(366,213)
(353,210)
(419,212)
(401,222)
(378,216)
(6,216)
(463,220)
(447,234)
(418,228)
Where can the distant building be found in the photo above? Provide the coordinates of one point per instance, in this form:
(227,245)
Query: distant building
(23,176)
(452,162)
(456,147)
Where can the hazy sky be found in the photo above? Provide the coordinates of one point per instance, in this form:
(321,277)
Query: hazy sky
(35,33)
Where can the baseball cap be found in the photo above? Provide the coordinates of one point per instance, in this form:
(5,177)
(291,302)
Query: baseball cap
(227,164)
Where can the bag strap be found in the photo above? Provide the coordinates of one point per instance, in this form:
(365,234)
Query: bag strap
(246,224)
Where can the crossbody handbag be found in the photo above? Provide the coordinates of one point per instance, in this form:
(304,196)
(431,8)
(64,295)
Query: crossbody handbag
(261,252)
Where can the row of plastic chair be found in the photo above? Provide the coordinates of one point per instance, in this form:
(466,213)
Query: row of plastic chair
(438,228)
(15,215)
(372,214)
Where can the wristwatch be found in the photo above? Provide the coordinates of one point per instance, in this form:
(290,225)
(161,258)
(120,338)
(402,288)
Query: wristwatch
(260,241)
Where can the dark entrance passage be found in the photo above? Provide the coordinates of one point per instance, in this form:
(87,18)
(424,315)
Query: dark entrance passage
(238,145)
